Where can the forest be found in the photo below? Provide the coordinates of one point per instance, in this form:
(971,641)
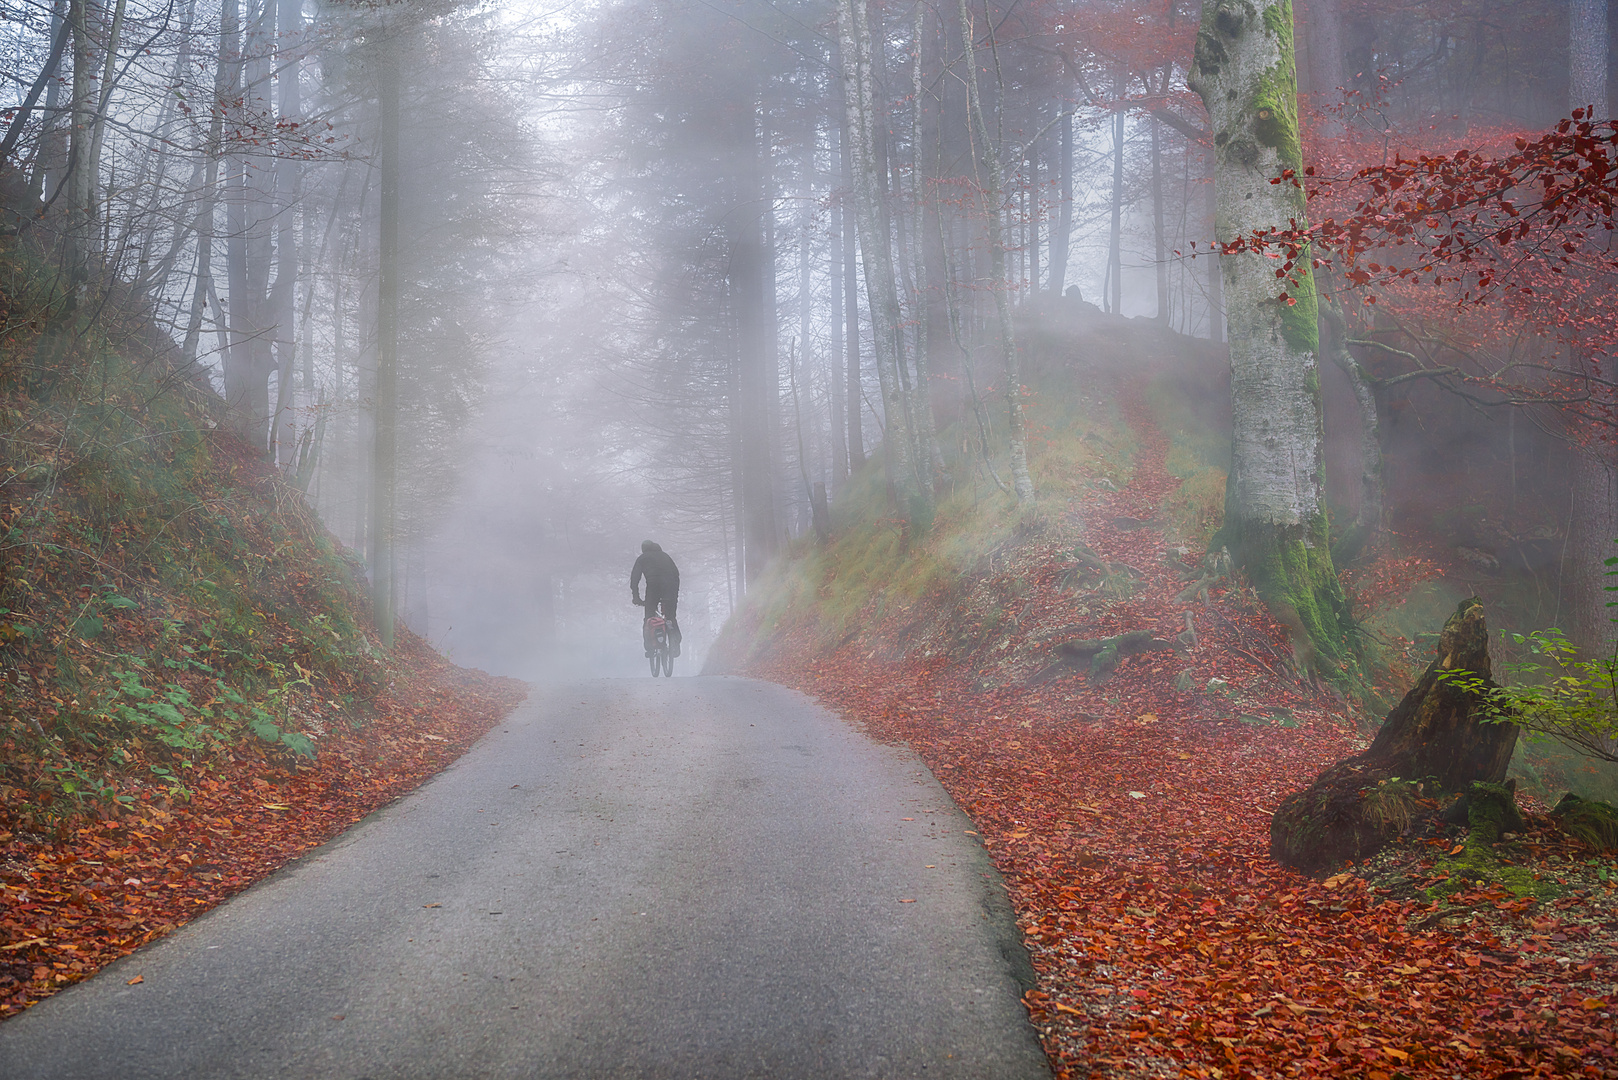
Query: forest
(1114,401)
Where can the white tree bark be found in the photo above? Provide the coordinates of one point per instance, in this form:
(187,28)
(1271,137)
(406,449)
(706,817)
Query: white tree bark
(1275,519)
(1244,72)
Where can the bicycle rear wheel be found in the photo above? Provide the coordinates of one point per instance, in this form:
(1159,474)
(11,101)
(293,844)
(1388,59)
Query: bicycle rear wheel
(656,661)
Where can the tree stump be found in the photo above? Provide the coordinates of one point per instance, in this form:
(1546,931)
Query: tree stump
(1433,741)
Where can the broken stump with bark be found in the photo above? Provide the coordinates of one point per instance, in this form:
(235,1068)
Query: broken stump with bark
(1436,740)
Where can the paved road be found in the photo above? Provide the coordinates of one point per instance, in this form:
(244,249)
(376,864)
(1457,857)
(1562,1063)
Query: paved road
(653,879)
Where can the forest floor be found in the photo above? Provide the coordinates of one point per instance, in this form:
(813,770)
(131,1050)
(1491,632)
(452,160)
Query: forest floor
(1130,820)
(73,903)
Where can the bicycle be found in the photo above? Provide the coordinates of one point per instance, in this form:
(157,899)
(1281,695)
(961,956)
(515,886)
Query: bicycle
(662,653)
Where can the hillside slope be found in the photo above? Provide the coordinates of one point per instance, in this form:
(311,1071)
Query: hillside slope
(192,692)
(1128,805)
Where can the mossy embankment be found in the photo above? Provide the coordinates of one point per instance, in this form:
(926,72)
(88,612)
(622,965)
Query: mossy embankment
(963,587)
(190,687)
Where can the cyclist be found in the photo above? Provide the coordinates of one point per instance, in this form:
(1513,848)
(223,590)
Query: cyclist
(662,590)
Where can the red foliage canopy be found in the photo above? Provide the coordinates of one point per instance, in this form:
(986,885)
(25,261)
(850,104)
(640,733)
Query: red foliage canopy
(1497,241)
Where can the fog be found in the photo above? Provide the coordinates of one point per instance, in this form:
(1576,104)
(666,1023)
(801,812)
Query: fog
(624,270)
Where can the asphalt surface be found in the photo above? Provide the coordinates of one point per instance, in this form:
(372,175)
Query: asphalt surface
(671,878)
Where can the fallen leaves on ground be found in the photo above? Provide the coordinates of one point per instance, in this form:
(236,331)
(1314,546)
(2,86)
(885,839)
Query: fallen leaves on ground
(68,908)
(1130,821)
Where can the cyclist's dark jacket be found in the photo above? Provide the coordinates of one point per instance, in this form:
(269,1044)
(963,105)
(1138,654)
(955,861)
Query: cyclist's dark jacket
(662,576)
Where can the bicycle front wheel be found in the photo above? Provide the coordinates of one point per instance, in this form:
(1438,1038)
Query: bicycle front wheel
(656,661)
(668,662)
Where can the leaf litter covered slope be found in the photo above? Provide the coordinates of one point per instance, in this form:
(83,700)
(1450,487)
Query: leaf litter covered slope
(110,885)
(191,692)
(1130,821)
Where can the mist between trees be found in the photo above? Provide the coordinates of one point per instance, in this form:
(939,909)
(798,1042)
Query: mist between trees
(506,289)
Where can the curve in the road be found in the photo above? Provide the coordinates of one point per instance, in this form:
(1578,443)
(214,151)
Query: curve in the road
(659,878)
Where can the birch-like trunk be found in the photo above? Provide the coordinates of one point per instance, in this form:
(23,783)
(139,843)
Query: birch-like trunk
(203,224)
(1275,515)
(49,160)
(988,151)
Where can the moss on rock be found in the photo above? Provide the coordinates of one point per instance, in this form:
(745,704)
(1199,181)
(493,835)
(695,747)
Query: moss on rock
(1491,811)
(1594,822)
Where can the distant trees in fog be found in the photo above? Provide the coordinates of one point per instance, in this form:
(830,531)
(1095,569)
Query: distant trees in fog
(767,239)
(216,161)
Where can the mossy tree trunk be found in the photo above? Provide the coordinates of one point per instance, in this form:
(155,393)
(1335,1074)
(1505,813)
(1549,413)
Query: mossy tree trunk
(1275,517)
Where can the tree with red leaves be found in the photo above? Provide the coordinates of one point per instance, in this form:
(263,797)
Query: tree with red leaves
(1461,251)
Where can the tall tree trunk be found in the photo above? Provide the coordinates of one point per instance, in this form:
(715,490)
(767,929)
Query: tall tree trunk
(1275,516)
(1368,522)
(989,153)
(737,409)
(1031,241)
(851,312)
(288,193)
(870,213)
(1323,39)
(835,370)
(1061,234)
(1160,245)
(248,251)
(803,379)
(78,178)
(203,224)
(46,76)
(1587,56)
(1115,236)
(109,57)
(931,453)
(1216,277)
(384,512)
(751,269)
(1595,474)
(152,175)
(50,159)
